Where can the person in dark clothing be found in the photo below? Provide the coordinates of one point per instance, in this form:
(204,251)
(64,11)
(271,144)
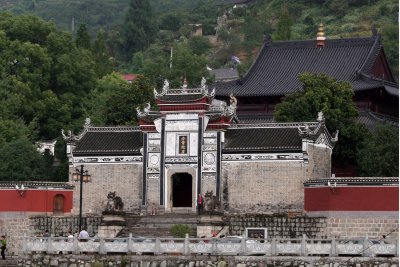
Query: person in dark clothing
(3,246)
(200,204)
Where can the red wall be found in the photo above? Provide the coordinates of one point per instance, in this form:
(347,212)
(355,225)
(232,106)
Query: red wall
(33,200)
(352,198)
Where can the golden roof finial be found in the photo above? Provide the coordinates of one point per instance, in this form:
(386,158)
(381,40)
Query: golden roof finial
(321,32)
(321,36)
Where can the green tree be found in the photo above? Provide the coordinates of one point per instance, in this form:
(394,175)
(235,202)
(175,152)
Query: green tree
(334,98)
(83,37)
(13,129)
(26,28)
(20,161)
(97,101)
(172,21)
(140,26)
(285,22)
(186,64)
(102,58)
(390,40)
(379,155)
(121,104)
(199,45)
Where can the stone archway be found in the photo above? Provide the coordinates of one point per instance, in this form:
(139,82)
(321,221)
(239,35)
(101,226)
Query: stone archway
(182,195)
(180,190)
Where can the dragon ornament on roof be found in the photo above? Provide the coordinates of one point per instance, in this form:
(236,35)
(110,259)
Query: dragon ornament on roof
(145,111)
(74,138)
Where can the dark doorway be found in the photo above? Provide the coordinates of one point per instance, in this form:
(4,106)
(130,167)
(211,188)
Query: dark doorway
(181,190)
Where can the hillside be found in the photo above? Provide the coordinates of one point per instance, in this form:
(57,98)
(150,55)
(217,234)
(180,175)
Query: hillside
(245,27)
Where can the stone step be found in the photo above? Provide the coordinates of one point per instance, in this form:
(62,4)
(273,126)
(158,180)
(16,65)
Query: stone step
(150,232)
(8,262)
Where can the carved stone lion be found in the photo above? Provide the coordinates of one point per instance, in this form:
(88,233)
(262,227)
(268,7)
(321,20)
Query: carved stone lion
(210,201)
(114,202)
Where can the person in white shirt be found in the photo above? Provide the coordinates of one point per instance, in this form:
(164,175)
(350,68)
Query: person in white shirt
(83,235)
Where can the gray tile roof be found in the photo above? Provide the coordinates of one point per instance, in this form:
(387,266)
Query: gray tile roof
(278,65)
(181,97)
(225,74)
(371,120)
(110,141)
(250,119)
(262,139)
(356,181)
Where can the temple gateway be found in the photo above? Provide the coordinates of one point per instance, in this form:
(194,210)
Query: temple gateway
(195,145)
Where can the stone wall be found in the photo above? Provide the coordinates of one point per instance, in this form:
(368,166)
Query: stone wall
(278,225)
(124,179)
(319,165)
(273,186)
(15,225)
(346,226)
(350,227)
(263,186)
(197,260)
(153,191)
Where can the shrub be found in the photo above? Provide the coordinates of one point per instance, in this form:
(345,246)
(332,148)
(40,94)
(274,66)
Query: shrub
(180,230)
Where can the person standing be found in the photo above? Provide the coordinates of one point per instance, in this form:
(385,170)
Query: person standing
(3,246)
(200,203)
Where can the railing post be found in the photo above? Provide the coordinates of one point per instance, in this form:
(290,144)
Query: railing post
(243,246)
(397,247)
(365,245)
(76,245)
(130,243)
(214,246)
(102,247)
(186,245)
(273,247)
(157,246)
(49,240)
(333,247)
(24,244)
(303,246)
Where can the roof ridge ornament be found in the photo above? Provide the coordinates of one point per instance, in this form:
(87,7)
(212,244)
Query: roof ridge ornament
(321,116)
(374,30)
(145,112)
(203,85)
(336,137)
(231,109)
(165,88)
(268,39)
(74,138)
(321,36)
(185,84)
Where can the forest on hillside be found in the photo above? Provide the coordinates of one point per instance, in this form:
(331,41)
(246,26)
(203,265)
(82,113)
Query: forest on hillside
(245,29)
(60,59)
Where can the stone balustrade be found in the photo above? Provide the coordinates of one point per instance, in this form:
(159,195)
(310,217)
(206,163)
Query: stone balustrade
(213,246)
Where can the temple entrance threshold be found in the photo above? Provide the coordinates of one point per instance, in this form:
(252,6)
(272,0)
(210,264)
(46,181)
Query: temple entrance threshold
(182,190)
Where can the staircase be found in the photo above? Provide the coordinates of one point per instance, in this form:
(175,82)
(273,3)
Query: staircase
(157,225)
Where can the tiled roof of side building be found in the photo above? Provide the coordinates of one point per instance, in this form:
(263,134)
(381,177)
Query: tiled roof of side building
(278,65)
(371,119)
(181,97)
(249,119)
(262,139)
(225,74)
(110,141)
